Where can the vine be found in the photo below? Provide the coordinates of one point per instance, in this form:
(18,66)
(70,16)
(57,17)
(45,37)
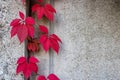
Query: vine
(23,27)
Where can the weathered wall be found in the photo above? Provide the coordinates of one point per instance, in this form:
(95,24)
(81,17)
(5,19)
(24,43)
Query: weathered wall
(90,31)
(10,49)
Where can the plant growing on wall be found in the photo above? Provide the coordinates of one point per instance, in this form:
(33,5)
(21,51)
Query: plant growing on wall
(23,27)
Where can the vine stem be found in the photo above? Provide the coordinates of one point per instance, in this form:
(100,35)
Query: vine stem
(28,13)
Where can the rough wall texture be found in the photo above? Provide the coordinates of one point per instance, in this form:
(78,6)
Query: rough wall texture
(90,31)
(10,50)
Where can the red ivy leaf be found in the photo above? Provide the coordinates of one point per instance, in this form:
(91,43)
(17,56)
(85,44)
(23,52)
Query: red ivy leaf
(43,38)
(56,37)
(27,67)
(30,30)
(46,45)
(14,31)
(22,33)
(53,77)
(49,41)
(50,8)
(40,0)
(15,22)
(22,27)
(33,60)
(33,45)
(21,60)
(43,29)
(22,16)
(54,45)
(41,77)
(29,20)
(50,77)
(46,10)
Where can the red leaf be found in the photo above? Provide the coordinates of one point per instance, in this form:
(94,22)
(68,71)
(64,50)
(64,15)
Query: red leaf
(27,67)
(33,45)
(33,60)
(41,77)
(29,20)
(46,10)
(43,38)
(34,7)
(27,71)
(21,67)
(49,14)
(14,31)
(21,60)
(22,16)
(56,37)
(30,31)
(22,33)
(53,77)
(46,45)
(22,27)
(15,22)
(40,12)
(49,41)
(50,8)
(40,0)
(43,29)
(33,67)
(54,45)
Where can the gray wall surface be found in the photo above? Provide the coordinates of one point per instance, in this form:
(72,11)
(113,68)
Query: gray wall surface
(10,48)
(90,32)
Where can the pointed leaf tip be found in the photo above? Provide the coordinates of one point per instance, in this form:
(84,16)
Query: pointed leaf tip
(22,16)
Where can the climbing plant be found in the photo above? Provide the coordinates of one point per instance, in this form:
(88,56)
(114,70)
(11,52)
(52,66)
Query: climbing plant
(24,28)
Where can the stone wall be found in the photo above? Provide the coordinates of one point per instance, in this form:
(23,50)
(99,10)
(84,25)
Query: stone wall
(90,32)
(10,48)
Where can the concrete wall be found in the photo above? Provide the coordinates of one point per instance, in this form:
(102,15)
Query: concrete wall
(10,50)
(90,31)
